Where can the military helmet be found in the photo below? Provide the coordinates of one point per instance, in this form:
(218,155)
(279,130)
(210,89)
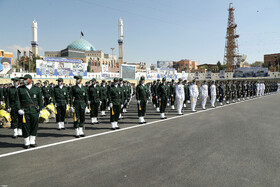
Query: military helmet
(78,77)
(116,79)
(163,79)
(142,78)
(15,79)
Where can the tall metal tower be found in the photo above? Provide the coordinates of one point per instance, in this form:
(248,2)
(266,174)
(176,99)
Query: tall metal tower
(231,57)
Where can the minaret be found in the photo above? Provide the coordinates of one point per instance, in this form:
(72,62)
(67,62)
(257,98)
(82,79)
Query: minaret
(120,41)
(34,43)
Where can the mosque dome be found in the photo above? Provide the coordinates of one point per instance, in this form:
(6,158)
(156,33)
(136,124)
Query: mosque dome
(81,44)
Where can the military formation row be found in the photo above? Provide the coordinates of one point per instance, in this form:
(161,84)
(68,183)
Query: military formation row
(25,100)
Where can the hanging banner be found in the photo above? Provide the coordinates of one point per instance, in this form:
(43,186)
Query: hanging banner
(61,67)
(250,72)
(222,74)
(208,75)
(5,65)
(128,71)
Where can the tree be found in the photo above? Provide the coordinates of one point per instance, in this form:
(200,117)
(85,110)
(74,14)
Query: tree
(257,64)
(246,64)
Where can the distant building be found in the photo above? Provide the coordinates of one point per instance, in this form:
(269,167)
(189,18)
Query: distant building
(270,61)
(83,50)
(186,65)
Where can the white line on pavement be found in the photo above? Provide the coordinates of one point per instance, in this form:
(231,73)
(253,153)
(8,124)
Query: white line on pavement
(123,129)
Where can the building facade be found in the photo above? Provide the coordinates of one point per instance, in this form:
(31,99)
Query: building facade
(186,65)
(271,61)
(83,50)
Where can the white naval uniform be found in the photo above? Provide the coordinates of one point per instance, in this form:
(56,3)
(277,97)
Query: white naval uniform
(180,97)
(204,95)
(258,88)
(213,94)
(262,88)
(193,96)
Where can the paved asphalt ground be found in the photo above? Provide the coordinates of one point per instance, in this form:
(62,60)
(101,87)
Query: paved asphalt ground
(235,145)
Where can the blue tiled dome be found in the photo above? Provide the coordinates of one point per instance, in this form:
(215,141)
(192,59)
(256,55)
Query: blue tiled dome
(81,44)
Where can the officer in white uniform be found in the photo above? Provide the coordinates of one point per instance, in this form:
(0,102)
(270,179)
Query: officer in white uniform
(204,94)
(180,96)
(258,88)
(213,93)
(193,95)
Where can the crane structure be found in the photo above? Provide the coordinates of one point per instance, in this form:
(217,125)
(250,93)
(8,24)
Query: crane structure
(231,55)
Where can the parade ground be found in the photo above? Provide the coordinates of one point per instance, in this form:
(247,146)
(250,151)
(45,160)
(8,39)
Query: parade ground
(232,145)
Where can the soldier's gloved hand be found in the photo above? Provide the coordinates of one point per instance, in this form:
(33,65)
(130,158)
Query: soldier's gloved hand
(1,102)
(100,102)
(55,105)
(147,101)
(9,110)
(87,110)
(121,105)
(111,105)
(20,112)
(43,97)
(156,97)
(168,100)
(72,109)
(89,102)
(159,99)
(138,101)
(172,95)
(40,113)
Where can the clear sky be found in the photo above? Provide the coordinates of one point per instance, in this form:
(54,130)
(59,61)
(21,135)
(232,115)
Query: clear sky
(153,29)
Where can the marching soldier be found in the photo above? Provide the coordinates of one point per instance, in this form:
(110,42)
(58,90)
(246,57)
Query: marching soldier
(115,100)
(186,91)
(228,92)
(157,95)
(204,94)
(30,104)
(79,105)
(12,108)
(234,91)
(103,91)
(163,97)
(108,92)
(194,93)
(47,93)
(60,101)
(126,96)
(238,90)
(213,93)
(142,96)
(180,96)
(94,101)
(172,94)
(121,87)
(153,91)
(221,93)
(244,90)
